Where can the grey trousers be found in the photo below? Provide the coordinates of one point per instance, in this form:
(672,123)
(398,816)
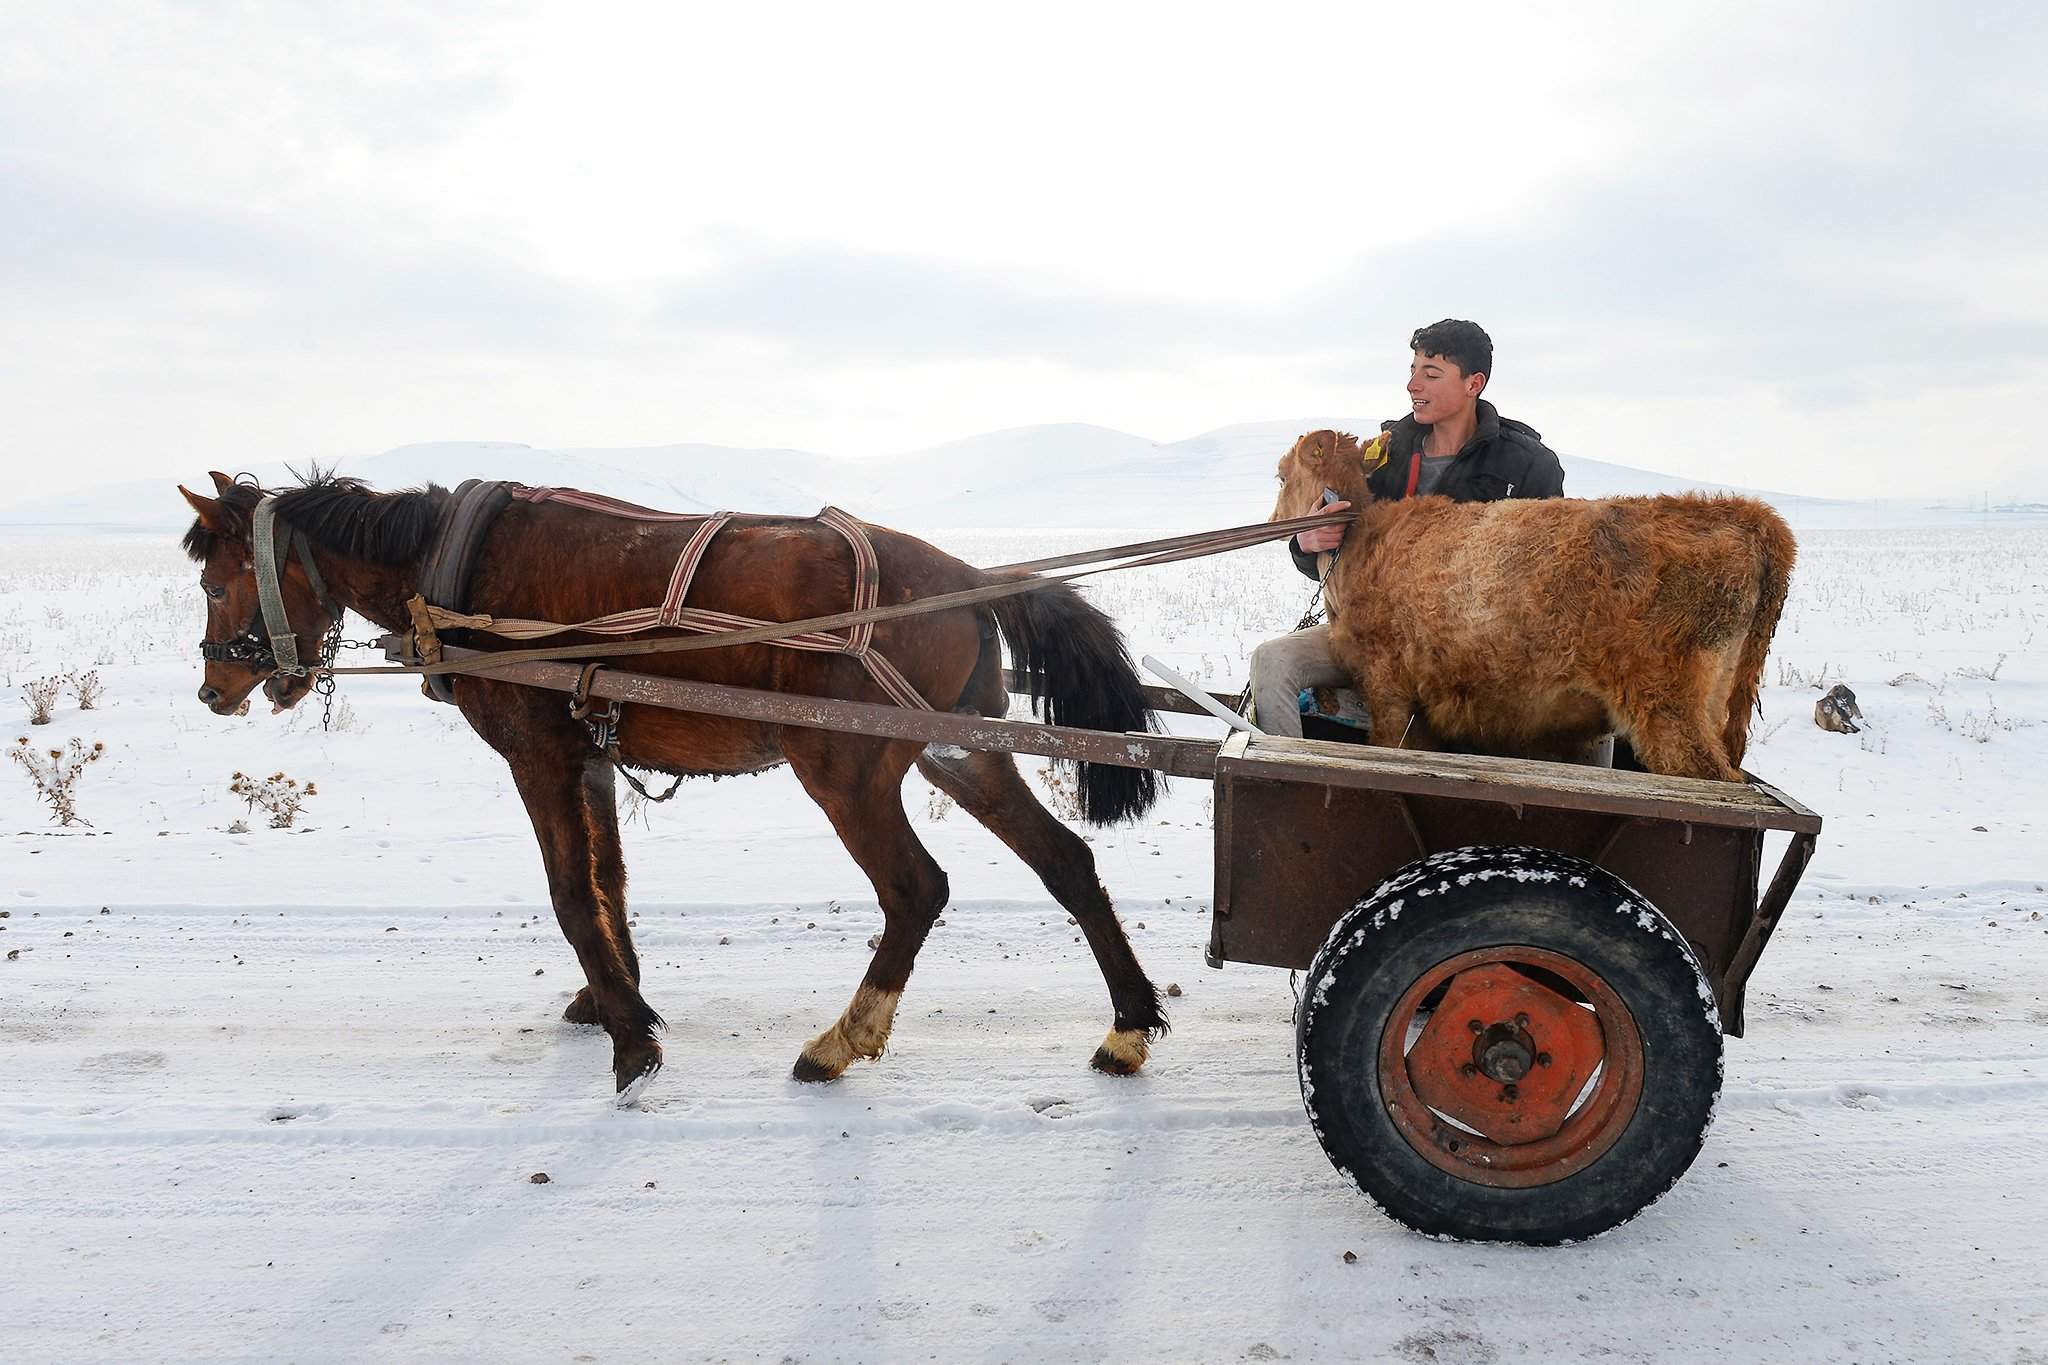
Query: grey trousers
(1282,668)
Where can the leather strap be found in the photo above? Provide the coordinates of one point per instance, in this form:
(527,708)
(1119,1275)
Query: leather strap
(284,646)
(444,581)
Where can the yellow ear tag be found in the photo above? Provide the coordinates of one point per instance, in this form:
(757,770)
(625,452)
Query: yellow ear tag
(1375,454)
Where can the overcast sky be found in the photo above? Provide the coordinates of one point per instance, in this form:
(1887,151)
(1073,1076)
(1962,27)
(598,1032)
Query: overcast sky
(1794,246)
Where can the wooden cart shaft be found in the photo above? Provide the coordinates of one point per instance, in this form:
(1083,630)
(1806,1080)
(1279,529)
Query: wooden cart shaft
(1305,828)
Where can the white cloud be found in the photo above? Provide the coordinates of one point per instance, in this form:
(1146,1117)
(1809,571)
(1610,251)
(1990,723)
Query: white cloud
(1789,242)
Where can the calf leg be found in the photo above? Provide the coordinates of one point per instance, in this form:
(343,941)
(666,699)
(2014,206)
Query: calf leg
(859,787)
(989,788)
(1395,718)
(1675,739)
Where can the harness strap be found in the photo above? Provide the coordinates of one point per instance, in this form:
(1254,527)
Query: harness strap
(686,567)
(465,520)
(284,646)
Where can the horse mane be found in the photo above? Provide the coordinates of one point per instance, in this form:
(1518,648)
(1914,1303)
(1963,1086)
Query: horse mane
(341,514)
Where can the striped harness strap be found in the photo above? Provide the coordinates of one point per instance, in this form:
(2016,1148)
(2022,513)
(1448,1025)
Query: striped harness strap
(675,615)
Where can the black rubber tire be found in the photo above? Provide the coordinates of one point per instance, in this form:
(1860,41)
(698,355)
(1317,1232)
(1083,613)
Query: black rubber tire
(1482,897)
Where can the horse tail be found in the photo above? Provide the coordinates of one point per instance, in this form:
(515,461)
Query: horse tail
(1776,549)
(1079,672)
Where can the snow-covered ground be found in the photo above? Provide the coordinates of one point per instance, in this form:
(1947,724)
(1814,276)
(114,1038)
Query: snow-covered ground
(278,1094)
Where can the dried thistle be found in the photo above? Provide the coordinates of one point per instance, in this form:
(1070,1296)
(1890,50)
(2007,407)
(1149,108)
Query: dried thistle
(55,773)
(277,794)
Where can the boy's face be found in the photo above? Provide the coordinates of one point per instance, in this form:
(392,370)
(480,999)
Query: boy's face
(1437,388)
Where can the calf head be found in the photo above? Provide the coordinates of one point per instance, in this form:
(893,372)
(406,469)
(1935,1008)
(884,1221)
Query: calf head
(1319,460)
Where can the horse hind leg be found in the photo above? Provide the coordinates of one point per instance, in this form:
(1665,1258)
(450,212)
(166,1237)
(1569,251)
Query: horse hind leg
(859,788)
(989,787)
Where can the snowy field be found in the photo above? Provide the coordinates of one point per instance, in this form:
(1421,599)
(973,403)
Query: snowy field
(279,1094)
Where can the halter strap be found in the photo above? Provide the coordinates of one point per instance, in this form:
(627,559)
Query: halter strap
(284,646)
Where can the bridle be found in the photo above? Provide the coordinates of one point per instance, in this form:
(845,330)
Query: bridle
(279,653)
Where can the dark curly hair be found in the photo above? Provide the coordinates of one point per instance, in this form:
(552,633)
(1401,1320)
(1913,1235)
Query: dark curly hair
(1464,344)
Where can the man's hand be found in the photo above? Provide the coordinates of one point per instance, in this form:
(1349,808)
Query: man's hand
(1317,539)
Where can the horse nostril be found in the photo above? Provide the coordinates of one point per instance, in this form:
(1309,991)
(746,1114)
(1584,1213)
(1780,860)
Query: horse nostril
(208,696)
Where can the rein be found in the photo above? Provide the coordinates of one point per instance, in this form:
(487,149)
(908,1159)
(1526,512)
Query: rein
(1169,550)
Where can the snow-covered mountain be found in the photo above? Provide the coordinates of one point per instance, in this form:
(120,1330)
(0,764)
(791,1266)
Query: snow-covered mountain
(1067,475)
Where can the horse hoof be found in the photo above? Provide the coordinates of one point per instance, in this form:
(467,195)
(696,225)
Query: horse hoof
(582,1010)
(1121,1053)
(812,1071)
(635,1065)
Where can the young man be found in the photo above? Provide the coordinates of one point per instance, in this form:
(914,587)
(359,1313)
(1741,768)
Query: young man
(1451,444)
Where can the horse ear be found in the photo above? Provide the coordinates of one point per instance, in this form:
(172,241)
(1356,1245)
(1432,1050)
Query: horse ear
(211,514)
(221,482)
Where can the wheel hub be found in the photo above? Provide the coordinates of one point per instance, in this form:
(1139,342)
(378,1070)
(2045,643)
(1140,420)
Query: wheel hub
(1504,1052)
(1497,1082)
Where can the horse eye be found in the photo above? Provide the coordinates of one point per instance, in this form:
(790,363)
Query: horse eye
(213,590)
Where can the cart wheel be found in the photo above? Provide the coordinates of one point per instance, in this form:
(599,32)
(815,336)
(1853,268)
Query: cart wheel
(1507,1044)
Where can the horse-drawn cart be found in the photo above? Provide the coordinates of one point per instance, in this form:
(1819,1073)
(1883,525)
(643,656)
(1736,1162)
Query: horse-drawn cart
(1518,972)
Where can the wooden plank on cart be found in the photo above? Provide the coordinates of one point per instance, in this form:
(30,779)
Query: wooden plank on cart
(1519,782)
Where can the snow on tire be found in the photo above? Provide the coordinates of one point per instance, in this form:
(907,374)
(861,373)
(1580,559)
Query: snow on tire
(1508,1044)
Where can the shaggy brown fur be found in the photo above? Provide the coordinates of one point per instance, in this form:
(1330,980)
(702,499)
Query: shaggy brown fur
(557,562)
(1538,625)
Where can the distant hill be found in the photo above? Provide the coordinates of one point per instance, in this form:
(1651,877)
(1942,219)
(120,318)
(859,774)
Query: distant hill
(1066,476)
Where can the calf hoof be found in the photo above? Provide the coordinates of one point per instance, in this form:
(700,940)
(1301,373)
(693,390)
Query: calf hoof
(1122,1052)
(582,1010)
(634,1062)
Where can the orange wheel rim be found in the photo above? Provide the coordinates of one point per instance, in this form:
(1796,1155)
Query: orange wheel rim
(1510,1081)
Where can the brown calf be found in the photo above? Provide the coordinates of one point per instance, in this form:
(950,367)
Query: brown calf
(1538,625)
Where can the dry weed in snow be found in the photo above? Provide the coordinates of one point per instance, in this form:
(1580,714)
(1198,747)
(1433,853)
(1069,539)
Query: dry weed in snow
(281,796)
(87,687)
(55,773)
(41,696)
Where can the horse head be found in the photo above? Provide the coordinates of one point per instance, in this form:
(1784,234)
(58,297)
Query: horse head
(241,649)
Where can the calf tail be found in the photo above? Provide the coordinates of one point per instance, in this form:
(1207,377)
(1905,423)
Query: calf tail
(1776,550)
(1074,661)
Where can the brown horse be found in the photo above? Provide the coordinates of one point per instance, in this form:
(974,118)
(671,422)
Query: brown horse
(1539,625)
(562,563)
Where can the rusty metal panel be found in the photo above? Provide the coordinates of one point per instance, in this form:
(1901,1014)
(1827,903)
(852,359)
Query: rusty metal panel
(1292,858)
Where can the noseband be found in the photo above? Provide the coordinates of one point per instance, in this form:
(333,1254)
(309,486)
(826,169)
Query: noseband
(280,654)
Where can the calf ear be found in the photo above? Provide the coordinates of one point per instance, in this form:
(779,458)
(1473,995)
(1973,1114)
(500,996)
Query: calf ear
(211,514)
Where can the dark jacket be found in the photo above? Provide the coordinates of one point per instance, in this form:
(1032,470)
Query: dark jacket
(1504,459)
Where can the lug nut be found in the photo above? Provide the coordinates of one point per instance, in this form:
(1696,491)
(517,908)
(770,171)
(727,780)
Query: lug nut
(1543,1059)
(1475,1026)
(1468,1070)
(1521,1021)
(1508,1092)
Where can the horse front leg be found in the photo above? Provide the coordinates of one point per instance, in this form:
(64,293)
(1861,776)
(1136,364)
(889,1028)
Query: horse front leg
(568,798)
(601,814)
